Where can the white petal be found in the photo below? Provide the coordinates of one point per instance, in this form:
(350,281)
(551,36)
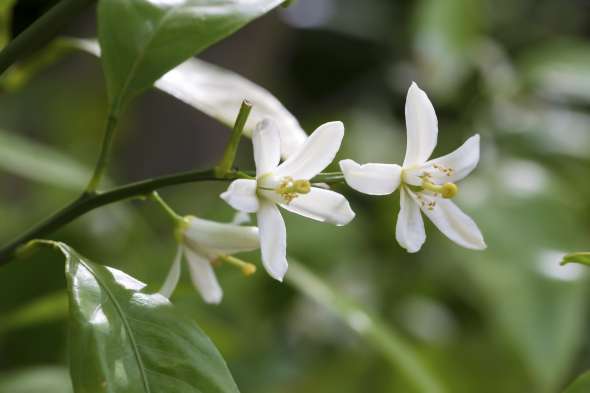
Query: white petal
(267,146)
(173,275)
(422,127)
(203,277)
(322,205)
(273,240)
(449,168)
(409,230)
(241,218)
(372,179)
(241,195)
(226,238)
(316,154)
(219,93)
(454,224)
(462,161)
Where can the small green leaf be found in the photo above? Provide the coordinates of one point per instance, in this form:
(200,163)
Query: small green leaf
(125,340)
(156,36)
(577,257)
(580,385)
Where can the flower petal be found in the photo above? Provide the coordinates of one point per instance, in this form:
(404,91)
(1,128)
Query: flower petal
(461,162)
(173,275)
(219,93)
(226,238)
(322,205)
(422,127)
(372,179)
(453,223)
(203,277)
(409,230)
(241,218)
(449,168)
(267,146)
(273,240)
(316,154)
(241,195)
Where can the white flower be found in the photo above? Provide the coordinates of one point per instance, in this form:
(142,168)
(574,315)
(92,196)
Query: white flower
(426,185)
(203,243)
(288,186)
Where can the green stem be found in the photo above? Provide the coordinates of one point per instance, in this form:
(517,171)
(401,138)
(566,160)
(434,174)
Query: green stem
(232,146)
(105,150)
(41,31)
(166,207)
(88,202)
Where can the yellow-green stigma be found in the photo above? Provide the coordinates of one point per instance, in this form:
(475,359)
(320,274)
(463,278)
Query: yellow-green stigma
(290,189)
(247,268)
(447,190)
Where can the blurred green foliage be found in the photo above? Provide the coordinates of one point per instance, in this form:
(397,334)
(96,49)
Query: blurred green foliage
(509,319)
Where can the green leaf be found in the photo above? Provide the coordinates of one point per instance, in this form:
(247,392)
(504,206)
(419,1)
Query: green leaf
(23,157)
(156,36)
(577,257)
(580,385)
(125,340)
(35,380)
(377,334)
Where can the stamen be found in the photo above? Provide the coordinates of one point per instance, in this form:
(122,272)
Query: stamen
(247,268)
(290,189)
(447,190)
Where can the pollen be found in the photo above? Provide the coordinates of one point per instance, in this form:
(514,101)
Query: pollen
(290,189)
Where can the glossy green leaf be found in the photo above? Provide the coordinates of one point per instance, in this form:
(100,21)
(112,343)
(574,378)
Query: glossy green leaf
(577,257)
(580,385)
(376,333)
(35,380)
(124,340)
(24,157)
(159,35)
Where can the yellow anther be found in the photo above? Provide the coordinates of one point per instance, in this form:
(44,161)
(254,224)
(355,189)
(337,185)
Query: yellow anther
(447,190)
(290,189)
(302,186)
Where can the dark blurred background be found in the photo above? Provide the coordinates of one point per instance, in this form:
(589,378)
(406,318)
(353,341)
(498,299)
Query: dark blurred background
(508,319)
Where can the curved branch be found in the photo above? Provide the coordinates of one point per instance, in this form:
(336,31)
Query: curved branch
(90,201)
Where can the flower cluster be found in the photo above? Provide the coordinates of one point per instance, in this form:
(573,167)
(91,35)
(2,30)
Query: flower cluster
(426,186)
